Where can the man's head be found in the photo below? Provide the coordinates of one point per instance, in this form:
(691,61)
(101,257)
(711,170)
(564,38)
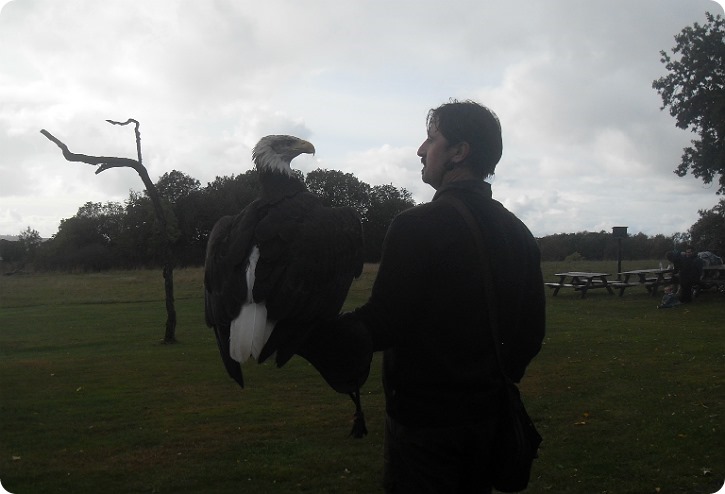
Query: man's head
(474,124)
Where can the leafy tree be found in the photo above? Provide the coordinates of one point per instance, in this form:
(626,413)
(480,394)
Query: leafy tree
(336,189)
(11,251)
(174,185)
(636,247)
(199,211)
(230,195)
(708,232)
(144,238)
(87,241)
(659,245)
(680,240)
(694,91)
(29,241)
(603,246)
(386,201)
(182,193)
(108,219)
(193,228)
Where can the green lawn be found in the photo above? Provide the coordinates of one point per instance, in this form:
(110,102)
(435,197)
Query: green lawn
(629,398)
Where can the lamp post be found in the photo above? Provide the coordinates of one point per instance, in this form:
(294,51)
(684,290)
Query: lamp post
(619,232)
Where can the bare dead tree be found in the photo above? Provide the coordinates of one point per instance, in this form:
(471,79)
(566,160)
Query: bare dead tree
(104,163)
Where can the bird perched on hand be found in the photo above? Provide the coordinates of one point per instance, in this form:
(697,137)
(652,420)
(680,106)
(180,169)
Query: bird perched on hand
(279,271)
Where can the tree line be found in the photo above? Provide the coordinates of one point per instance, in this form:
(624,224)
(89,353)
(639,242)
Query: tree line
(706,234)
(126,236)
(112,235)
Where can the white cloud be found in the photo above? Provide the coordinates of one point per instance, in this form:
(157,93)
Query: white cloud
(586,146)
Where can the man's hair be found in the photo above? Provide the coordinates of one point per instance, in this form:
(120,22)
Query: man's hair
(468,121)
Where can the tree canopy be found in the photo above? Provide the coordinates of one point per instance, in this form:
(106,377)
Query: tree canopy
(113,235)
(708,232)
(337,189)
(694,91)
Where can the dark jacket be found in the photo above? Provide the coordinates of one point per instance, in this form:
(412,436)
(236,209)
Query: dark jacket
(687,268)
(428,312)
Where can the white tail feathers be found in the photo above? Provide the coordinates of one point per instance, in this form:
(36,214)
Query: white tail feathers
(251,329)
(249,332)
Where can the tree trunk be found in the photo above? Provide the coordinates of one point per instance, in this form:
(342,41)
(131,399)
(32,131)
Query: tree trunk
(170,334)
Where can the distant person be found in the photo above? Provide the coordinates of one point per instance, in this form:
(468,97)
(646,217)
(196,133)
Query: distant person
(688,267)
(669,299)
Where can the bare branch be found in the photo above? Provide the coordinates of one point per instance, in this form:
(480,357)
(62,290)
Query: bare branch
(103,162)
(130,120)
(138,137)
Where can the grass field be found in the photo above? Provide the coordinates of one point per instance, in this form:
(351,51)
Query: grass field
(629,398)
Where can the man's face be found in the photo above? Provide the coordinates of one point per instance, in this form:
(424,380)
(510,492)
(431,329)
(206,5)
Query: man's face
(689,252)
(435,154)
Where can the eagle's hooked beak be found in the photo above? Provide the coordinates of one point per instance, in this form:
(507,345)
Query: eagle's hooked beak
(291,149)
(301,147)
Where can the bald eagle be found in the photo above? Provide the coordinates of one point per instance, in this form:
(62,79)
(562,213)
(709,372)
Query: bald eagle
(279,269)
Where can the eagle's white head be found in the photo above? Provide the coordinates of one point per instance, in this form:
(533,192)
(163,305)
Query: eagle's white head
(274,153)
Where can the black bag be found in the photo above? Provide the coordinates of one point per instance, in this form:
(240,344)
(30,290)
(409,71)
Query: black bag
(515,445)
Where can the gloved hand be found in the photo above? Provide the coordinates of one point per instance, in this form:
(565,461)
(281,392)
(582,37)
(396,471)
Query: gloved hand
(341,350)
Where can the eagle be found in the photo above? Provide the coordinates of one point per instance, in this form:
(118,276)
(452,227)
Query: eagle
(278,273)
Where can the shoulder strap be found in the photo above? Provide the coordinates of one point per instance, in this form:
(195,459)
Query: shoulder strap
(486,272)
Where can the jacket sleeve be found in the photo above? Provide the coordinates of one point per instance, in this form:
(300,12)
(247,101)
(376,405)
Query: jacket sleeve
(396,292)
(529,324)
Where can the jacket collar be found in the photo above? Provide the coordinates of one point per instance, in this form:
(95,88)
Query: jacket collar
(475,186)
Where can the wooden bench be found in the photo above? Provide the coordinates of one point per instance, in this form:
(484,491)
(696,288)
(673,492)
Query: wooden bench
(649,285)
(580,281)
(651,279)
(558,286)
(622,285)
(582,287)
(577,286)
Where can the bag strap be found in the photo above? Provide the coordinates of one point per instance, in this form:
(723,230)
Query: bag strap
(487,273)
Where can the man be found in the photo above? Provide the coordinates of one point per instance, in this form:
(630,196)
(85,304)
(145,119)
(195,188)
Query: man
(428,312)
(688,267)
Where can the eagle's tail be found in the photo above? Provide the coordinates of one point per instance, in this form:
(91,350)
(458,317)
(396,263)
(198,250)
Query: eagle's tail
(251,329)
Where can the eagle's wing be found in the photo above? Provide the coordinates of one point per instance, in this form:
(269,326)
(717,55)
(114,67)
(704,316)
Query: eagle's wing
(225,287)
(309,255)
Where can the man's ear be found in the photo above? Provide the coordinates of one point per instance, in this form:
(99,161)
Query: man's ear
(461,152)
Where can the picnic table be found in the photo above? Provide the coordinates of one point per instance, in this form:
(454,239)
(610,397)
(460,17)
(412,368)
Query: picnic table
(580,281)
(651,279)
(714,273)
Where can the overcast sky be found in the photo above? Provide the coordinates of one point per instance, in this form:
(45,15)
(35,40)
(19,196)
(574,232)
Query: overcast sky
(586,146)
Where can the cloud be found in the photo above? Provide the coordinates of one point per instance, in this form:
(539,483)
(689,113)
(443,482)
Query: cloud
(586,145)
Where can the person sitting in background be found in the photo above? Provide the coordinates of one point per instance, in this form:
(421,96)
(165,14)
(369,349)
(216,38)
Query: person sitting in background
(669,299)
